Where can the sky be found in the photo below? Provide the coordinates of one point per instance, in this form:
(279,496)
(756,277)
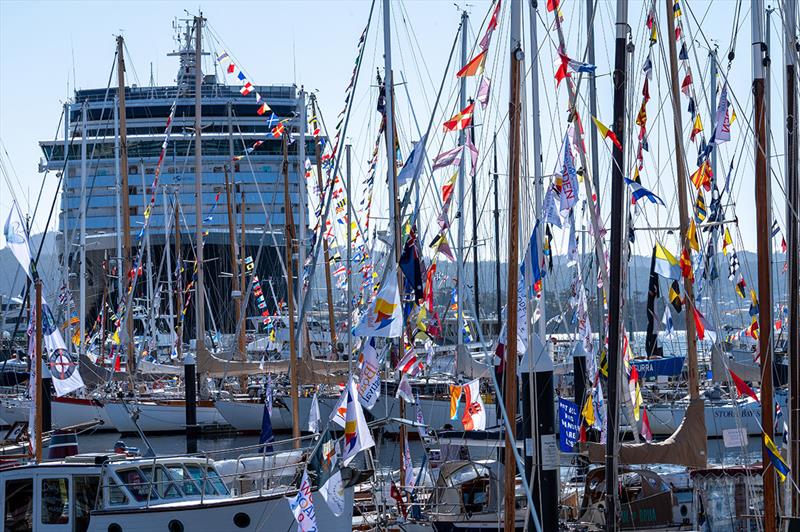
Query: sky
(47,49)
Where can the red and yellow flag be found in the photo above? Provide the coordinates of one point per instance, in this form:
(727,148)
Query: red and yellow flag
(607,133)
(474,67)
(460,120)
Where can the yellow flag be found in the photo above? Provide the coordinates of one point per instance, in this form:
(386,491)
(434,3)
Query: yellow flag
(455,397)
(733,114)
(115,337)
(588,411)
(726,241)
(691,235)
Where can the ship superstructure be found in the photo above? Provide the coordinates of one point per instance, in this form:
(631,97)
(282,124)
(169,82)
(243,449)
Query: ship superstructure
(230,125)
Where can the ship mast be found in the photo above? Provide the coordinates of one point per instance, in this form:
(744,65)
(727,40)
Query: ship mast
(126,210)
(616,259)
(199,302)
(514,153)
(325,252)
(237,288)
(764,245)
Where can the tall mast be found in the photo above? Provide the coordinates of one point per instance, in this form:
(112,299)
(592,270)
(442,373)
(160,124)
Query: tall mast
(349,254)
(616,259)
(461,168)
(325,252)
(65,231)
(289,246)
(763,237)
(37,369)
(126,210)
(394,212)
(590,12)
(82,273)
(236,287)
(303,343)
(793,245)
(199,302)
(118,208)
(498,300)
(514,153)
(537,375)
(236,293)
(683,207)
(178,277)
(151,310)
(242,280)
(168,255)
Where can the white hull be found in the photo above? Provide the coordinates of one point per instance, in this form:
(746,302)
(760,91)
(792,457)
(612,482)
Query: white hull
(246,415)
(156,417)
(64,413)
(744,414)
(264,513)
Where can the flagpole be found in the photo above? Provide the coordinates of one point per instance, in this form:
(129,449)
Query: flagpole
(616,260)
(793,247)
(514,154)
(763,238)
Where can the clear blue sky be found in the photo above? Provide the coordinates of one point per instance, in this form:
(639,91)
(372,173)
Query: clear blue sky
(49,48)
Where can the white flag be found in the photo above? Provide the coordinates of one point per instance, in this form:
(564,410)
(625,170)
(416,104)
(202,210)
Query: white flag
(63,365)
(423,432)
(404,390)
(413,165)
(475,412)
(408,466)
(333,490)
(384,317)
(17,238)
(302,506)
(340,410)
(356,432)
(369,383)
(314,417)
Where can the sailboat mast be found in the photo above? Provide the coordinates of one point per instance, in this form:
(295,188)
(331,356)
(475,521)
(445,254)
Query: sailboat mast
(349,256)
(793,245)
(325,251)
(242,281)
(303,341)
(168,255)
(82,273)
(683,207)
(763,244)
(199,302)
(394,212)
(118,208)
(461,210)
(178,277)
(37,369)
(126,210)
(289,246)
(236,287)
(514,153)
(616,259)
(498,299)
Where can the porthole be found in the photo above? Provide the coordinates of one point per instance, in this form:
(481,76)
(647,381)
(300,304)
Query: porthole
(114,527)
(175,526)
(242,520)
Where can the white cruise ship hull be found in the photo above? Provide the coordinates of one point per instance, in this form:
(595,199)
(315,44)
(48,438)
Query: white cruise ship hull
(159,417)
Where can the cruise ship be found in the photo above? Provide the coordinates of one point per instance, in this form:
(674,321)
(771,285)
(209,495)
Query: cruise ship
(230,125)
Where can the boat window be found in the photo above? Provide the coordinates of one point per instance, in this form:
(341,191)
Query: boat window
(208,483)
(18,515)
(162,482)
(186,484)
(137,483)
(216,480)
(55,501)
(85,489)
(465,474)
(116,496)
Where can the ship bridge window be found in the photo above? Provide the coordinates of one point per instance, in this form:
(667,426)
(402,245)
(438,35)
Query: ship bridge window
(116,497)
(208,478)
(18,515)
(162,482)
(185,482)
(138,484)
(55,501)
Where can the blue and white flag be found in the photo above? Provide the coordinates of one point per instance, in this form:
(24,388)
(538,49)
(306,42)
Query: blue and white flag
(577,66)
(669,327)
(413,165)
(17,238)
(638,192)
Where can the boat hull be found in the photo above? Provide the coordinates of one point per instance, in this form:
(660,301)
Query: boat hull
(159,417)
(66,412)
(265,513)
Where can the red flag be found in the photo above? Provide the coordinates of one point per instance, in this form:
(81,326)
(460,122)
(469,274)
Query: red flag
(686,84)
(552,5)
(461,120)
(742,388)
(231,68)
(474,67)
(562,71)
(646,432)
(686,266)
